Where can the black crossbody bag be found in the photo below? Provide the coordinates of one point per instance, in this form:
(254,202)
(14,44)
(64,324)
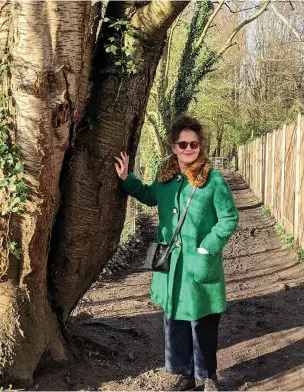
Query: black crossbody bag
(158,255)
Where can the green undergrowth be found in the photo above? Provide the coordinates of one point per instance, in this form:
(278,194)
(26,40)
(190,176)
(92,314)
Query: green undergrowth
(14,191)
(287,238)
(300,255)
(266,211)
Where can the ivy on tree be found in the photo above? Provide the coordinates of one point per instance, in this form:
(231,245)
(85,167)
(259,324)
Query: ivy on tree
(122,45)
(14,191)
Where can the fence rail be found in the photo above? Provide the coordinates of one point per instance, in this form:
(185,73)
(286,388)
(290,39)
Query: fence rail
(273,167)
(221,163)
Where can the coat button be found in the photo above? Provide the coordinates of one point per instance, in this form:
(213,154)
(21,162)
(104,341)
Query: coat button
(178,244)
(174,210)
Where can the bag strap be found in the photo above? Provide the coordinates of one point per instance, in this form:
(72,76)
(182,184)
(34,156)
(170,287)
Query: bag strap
(181,219)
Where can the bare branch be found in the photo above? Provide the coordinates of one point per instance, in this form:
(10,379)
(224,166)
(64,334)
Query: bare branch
(285,59)
(151,123)
(4,5)
(169,49)
(241,9)
(229,41)
(287,23)
(212,16)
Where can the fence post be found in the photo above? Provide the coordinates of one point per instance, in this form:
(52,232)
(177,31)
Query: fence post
(283,171)
(256,167)
(261,167)
(297,182)
(250,154)
(266,168)
(272,169)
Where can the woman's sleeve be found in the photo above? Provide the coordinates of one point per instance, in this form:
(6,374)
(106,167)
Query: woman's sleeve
(144,193)
(227,215)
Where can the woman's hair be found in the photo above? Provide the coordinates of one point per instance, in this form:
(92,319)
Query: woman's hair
(182,123)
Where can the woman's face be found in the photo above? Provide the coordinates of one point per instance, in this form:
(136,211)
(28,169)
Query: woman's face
(187,155)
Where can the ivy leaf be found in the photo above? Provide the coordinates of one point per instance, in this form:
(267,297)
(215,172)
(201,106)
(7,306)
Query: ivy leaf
(16,209)
(111,49)
(17,253)
(23,198)
(130,63)
(129,40)
(114,24)
(12,187)
(130,51)
(16,200)
(19,168)
(12,247)
(10,161)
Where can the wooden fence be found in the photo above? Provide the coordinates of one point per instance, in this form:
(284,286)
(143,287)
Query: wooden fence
(273,167)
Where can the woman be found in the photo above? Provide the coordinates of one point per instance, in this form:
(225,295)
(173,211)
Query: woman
(192,293)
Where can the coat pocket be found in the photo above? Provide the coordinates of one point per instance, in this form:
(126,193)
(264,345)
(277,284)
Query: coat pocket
(206,268)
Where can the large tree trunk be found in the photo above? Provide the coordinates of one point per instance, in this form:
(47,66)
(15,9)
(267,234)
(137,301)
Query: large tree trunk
(93,208)
(69,166)
(50,45)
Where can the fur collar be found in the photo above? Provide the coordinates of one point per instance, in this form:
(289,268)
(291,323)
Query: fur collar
(196,173)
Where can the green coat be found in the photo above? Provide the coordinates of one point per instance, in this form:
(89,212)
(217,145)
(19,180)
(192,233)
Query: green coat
(195,285)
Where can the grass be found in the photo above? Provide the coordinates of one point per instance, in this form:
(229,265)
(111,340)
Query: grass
(288,239)
(266,211)
(300,254)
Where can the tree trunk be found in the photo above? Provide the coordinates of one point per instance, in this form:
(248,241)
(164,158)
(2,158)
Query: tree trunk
(69,166)
(50,45)
(219,139)
(235,154)
(92,212)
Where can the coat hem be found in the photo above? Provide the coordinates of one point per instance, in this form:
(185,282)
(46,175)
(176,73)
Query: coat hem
(182,317)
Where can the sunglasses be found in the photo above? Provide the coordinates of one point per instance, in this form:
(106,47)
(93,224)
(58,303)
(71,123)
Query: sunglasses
(183,145)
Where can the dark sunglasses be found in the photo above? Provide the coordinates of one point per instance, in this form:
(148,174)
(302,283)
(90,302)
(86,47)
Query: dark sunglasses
(183,145)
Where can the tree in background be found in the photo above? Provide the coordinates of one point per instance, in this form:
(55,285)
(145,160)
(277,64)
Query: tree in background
(252,90)
(273,69)
(257,85)
(263,76)
(217,102)
(174,90)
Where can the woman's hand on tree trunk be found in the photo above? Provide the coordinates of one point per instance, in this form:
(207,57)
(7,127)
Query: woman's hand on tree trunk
(122,166)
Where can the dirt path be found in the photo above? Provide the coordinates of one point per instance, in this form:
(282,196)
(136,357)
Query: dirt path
(261,345)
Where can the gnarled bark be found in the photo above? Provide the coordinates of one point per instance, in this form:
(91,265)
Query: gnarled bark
(50,45)
(93,207)
(76,208)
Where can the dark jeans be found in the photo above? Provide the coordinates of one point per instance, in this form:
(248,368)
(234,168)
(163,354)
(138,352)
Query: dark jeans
(190,346)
